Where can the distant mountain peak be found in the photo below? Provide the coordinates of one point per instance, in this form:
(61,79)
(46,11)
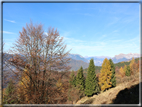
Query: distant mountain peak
(76,55)
(98,60)
(127,56)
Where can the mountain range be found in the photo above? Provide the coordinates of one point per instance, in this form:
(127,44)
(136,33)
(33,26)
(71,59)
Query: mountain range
(78,60)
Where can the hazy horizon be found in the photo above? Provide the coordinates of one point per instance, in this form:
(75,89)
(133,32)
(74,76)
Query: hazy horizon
(104,55)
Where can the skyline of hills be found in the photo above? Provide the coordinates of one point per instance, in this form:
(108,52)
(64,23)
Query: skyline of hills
(128,56)
(98,60)
(77,60)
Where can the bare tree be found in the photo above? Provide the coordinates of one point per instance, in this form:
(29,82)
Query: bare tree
(37,56)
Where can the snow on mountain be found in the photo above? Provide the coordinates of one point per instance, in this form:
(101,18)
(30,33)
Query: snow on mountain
(98,60)
(127,56)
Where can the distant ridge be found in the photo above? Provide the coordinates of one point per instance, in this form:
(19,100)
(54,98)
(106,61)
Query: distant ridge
(77,57)
(77,60)
(98,60)
(76,64)
(127,56)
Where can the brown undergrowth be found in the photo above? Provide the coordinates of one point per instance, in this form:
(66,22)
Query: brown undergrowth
(129,86)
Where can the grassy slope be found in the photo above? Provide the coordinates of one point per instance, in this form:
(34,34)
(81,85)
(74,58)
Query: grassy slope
(114,95)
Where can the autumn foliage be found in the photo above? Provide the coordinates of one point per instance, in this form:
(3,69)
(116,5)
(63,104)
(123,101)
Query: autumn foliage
(37,59)
(122,72)
(40,77)
(105,75)
(132,66)
(24,88)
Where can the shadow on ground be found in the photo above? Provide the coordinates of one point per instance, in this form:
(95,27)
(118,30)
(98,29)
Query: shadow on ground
(128,96)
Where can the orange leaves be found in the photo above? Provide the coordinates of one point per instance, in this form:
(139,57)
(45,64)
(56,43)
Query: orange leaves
(105,75)
(23,86)
(60,87)
(121,72)
(134,67)
(44,54)
(138,66)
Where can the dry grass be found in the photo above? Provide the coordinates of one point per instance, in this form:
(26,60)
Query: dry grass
(120,80)
(84,99)
(108,96)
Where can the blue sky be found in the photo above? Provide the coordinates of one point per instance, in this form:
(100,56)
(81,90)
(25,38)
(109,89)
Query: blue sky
(89,29)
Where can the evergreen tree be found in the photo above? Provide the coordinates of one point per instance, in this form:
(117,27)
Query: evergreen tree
(113,78)
(105,75)
(128,71)
(80,81)
(8,93)
(9,88)
(91,83)
(73,79)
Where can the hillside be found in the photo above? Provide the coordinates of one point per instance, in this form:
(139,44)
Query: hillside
(120,64)
(76,64)
(113,95)
(77,57)
(124,93)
